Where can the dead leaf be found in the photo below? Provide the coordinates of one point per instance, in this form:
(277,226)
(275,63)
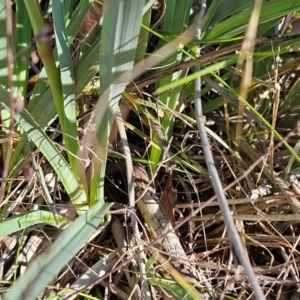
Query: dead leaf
(168,199)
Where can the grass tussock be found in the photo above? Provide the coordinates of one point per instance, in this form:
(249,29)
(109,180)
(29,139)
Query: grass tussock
(149,150)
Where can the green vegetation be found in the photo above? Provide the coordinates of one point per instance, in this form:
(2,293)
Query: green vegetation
(89,89)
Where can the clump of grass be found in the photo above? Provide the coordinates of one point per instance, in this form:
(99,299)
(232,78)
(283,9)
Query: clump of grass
(250,107)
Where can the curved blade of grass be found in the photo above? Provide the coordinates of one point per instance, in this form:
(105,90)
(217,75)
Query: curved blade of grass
(67,8)
(237,23)
(173,287)
(54,157)
(121,26)
(68,88)
(67,78)
(31,218)
(22,41)
(46,55)
(219,10)
(3,45)
(215,13)
(77,18)
(41,105)
(144,36)
(46,266)
(42,108)
(204,71)
(64,97)
(5,115)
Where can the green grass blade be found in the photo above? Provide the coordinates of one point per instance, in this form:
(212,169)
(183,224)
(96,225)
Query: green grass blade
(54,157)
(65,106)
(46,54)
(144,36)
(174,288)
(220,10)
(3,45)
(121,26)
(5,115)
(78,17)
(30,218)
(22,42)
(237,24)
(68,88)
(210,69)
(42,107)
(46,266)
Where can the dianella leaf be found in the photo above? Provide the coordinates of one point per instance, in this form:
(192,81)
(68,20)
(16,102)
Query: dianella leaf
(41,105)
(27,219)
(5,115)
(46,266)
(22,42)
(68,88)
(237,23)
(119,38)
(3,45)
(54,157)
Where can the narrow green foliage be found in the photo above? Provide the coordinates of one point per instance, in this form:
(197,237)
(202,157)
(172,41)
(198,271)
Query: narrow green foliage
(59,127)
(68,88)
(55,158)
(22,42)
(3,46)
(44,269)
(175,20)
(5,115)
(31,218)
(121,22)
(172,287)
(238,22)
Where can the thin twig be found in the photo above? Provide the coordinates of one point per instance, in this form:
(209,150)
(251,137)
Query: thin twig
(217,185)
(131,197)
(249,217)
(122,248)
